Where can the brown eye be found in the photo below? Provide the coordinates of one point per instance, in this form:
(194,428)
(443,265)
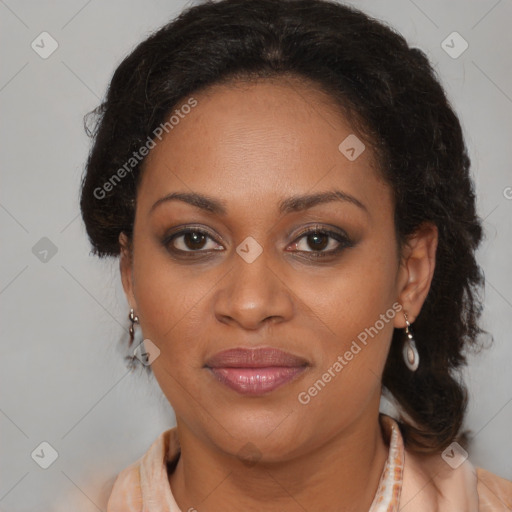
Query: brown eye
(317,241)
(194,240)
(191,240)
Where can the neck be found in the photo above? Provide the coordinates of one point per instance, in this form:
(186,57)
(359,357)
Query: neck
(341,474)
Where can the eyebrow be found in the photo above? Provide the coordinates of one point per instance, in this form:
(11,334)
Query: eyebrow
(289,205)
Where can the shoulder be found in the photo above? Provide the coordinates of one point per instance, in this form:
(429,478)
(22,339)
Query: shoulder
(146,480)
(494,492)
(126,494)
(431,483)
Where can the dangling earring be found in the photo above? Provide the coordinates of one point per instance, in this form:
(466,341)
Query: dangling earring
(410,352)
(134,319)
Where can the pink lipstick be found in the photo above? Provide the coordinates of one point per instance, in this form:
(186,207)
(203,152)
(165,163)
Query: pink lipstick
(255,371)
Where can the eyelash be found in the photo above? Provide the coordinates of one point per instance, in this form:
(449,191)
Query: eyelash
(341,238)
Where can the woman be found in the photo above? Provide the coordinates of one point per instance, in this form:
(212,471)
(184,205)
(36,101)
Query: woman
(288,191)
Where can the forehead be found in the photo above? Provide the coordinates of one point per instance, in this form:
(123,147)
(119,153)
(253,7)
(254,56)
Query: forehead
(260,140)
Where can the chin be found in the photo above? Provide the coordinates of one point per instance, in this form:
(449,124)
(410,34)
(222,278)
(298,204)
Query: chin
(264,436)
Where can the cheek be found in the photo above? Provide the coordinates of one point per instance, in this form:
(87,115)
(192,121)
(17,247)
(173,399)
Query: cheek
(353,295)
(356,304)
(169,301)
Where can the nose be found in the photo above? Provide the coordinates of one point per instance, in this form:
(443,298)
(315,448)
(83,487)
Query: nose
(253,294)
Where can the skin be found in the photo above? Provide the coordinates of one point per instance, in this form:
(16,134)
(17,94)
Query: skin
(252,145)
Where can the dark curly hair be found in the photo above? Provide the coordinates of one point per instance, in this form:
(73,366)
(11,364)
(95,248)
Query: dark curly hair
(396,102)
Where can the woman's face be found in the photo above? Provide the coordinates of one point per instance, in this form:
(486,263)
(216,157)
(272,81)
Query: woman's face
(249,276)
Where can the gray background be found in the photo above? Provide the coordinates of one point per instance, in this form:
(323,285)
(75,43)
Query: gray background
(64,325)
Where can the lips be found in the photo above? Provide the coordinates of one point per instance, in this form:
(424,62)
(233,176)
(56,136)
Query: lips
(255,371)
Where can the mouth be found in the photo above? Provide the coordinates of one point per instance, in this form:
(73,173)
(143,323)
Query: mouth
(255,371)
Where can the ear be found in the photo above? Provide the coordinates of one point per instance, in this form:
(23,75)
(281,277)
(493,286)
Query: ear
(126,268)
(418,261)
